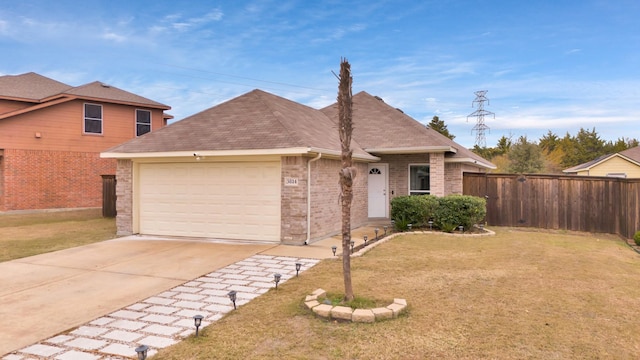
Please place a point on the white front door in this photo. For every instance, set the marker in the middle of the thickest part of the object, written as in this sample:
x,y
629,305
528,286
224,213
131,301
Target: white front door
x,y
378,197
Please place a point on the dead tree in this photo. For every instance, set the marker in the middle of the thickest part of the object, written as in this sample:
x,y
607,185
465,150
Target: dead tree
x,y
347,172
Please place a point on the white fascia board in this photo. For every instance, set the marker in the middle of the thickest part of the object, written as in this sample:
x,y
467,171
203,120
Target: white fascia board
x,y
338,154
207,153
226,153
469,161
413,150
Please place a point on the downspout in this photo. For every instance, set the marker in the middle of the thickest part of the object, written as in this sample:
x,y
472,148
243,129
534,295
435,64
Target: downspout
x,y
306,242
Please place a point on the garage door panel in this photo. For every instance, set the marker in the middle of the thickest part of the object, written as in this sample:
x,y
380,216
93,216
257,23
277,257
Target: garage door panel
x,y
220,200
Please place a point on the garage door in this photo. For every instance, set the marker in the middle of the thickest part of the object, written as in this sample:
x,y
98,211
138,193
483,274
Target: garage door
x,y
213,200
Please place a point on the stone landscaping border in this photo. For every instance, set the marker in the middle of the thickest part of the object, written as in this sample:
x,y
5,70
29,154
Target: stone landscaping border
x,y
345,313
364,249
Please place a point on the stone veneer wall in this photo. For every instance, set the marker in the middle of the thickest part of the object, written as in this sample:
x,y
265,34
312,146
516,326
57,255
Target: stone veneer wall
x,y
124,195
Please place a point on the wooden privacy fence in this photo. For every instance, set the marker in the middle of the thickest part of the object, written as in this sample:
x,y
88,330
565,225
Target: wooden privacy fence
x,y
108,195
581,203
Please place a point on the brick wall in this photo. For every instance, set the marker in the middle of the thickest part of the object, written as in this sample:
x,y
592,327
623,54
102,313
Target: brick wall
x,y
124,195
40,179
326,210
437,174
453,178
399,172
293,201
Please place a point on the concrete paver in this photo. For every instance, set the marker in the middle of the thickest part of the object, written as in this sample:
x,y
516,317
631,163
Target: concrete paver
x,y
117,334
160,287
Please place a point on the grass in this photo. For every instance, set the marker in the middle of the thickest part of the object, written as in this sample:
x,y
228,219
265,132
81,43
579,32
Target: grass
x,y
516,295
23,235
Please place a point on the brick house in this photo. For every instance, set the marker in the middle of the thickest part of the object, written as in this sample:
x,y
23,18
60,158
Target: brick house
x,y
51,136
264,168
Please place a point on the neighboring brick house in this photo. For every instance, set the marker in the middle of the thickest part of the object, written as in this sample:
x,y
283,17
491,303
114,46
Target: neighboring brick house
x,y
625,164
51,136
260,167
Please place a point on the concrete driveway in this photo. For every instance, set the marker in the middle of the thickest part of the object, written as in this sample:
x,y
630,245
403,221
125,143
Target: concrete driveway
x,y
47,294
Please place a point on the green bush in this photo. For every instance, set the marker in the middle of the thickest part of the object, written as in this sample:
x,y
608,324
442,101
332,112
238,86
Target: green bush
x,y
455,210
415,210
636,237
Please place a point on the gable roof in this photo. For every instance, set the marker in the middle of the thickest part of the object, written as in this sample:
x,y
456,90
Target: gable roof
x,y
254,122
30,87
632,155
383,129
41,90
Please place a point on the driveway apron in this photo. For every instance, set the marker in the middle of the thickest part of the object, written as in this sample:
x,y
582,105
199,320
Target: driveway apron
x,y
48,294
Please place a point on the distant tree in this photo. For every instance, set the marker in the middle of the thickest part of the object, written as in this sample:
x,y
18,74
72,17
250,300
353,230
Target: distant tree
x,y
525,157
549,142
585,146
439,126
504,145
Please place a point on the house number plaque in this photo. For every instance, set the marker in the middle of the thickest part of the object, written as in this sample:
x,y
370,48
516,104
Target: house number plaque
x,y
290,181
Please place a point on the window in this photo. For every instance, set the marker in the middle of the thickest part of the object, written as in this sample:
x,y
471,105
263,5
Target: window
x,y
92,119
143,122
419,179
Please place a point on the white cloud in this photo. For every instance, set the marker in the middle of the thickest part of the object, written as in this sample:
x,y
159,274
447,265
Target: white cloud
x,y
113,36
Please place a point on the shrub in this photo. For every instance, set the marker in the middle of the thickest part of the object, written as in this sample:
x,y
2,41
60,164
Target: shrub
x,y
636,237
415,210
455,210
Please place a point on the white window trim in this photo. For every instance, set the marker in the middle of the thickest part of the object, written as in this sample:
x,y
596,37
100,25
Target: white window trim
x,y
135,130
409,191
85,118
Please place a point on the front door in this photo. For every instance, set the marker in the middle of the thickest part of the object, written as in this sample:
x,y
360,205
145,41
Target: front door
x,y
378,197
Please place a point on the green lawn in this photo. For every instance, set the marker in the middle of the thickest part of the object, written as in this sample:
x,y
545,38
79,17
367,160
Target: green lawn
x,y
23,235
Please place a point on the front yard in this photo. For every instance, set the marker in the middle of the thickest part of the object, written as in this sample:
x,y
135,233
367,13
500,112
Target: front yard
x,y
517,295
23,235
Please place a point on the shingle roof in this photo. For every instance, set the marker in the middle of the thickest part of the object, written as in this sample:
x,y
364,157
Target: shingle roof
x,y
101,91
30,87
36,88
379,127
632,154
253,121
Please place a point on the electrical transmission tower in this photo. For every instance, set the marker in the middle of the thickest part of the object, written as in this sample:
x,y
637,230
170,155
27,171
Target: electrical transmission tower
x,y
480,127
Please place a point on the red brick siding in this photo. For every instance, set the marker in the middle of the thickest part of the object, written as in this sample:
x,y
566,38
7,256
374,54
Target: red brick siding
x,y
41,179
399,171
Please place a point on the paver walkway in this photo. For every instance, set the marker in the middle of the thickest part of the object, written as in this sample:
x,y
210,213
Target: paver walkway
x,y
163,320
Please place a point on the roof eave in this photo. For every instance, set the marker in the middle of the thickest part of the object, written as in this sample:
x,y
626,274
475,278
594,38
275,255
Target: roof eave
x,y
227,153
412,150
470,161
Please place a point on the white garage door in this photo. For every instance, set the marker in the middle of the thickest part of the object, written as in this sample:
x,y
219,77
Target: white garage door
x,y
214,200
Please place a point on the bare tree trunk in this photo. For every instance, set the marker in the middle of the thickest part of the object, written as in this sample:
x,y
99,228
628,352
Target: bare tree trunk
x,y
347,173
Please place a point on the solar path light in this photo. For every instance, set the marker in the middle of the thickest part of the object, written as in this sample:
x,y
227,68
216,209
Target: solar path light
x,y
334,249
376,230
197,319
232,296
142,352
298,266
365,239
276,279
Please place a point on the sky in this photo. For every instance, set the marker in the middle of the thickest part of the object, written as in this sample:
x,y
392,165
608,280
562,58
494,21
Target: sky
x,y
547,65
